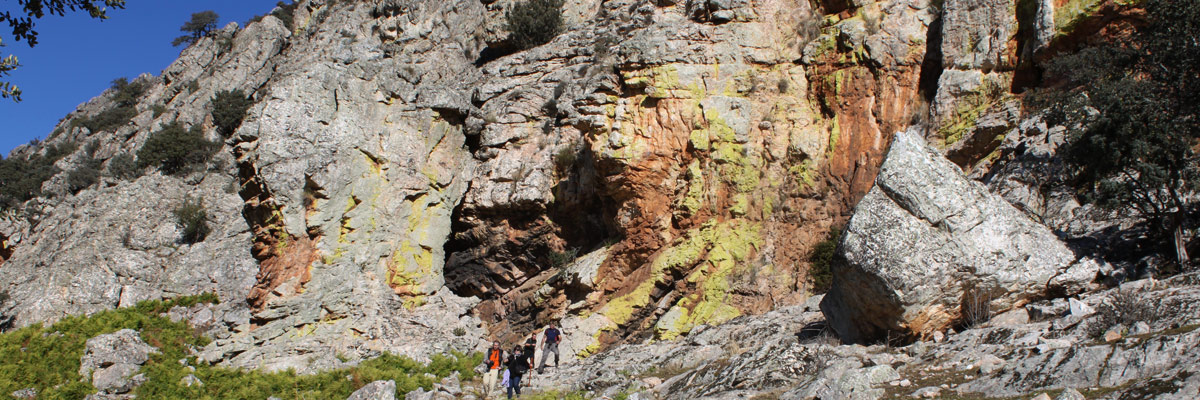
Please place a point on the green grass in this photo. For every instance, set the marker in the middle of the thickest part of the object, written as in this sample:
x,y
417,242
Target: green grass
x,y
557,395
47,358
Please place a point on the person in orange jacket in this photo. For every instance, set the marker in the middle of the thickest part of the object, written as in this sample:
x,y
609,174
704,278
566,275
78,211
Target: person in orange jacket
x,y
493,359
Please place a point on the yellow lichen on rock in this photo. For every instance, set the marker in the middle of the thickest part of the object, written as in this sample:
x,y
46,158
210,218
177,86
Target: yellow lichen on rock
x,y
731,244
411,263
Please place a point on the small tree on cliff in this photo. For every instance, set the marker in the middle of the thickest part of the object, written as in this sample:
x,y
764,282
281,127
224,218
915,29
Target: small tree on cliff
x,y
202,24
533,23
192,219
229,108
1136,146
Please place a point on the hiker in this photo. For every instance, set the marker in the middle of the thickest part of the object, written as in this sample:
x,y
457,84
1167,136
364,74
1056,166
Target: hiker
x,y
518,363
552,337
531,346
495,358
530,350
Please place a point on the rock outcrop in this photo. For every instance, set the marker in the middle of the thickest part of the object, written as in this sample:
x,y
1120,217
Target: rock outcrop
x,y
786,354
407,181
928,247
404,172
111,362
378,390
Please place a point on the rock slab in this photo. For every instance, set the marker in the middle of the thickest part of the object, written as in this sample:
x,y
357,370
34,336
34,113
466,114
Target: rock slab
x,y
111,361
927,248
378,390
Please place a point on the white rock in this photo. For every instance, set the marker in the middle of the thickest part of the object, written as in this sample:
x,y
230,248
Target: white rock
x,y
1070,394
1080,309
990,363
927,392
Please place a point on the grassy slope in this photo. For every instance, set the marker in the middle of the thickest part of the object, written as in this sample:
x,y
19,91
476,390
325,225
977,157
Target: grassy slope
x,y
47,358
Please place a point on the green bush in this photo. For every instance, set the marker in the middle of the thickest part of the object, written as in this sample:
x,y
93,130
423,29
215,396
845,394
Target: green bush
x,y
565,159
21,179
561,259
229,108
124,166
125,98
533,23
109,120
1132,110
127,93
84,175
821,256
283,11
173,149
192,218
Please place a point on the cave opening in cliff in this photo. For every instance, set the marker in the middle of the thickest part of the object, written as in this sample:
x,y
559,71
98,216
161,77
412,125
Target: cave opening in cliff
x,y
1028,74
931,66
512,257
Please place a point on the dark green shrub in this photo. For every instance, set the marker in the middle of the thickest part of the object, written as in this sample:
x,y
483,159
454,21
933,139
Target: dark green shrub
x,y
565,158
91,148
124,166
561,259
21,179
110,119
229,108
283,11
192,218
125,98
127,93
533,23
821,256
84,175
159,109
1132,140
173,149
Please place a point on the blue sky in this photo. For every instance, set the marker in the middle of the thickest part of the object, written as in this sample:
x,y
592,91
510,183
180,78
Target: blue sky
x,y
77,57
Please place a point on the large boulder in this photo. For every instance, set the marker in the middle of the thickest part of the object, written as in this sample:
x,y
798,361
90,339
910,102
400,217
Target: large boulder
x,y
378,390
112,361
927,247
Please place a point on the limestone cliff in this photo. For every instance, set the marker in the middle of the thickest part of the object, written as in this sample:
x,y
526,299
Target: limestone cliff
x,y
404,173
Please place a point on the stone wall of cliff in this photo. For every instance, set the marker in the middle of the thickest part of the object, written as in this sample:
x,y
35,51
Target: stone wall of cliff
x,y
404,172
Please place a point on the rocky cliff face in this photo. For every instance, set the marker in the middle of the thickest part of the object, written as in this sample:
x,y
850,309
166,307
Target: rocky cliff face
x,y
406,181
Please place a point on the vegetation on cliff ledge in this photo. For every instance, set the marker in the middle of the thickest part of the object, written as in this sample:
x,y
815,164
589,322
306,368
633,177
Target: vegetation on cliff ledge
x,y
533,23
1138,103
